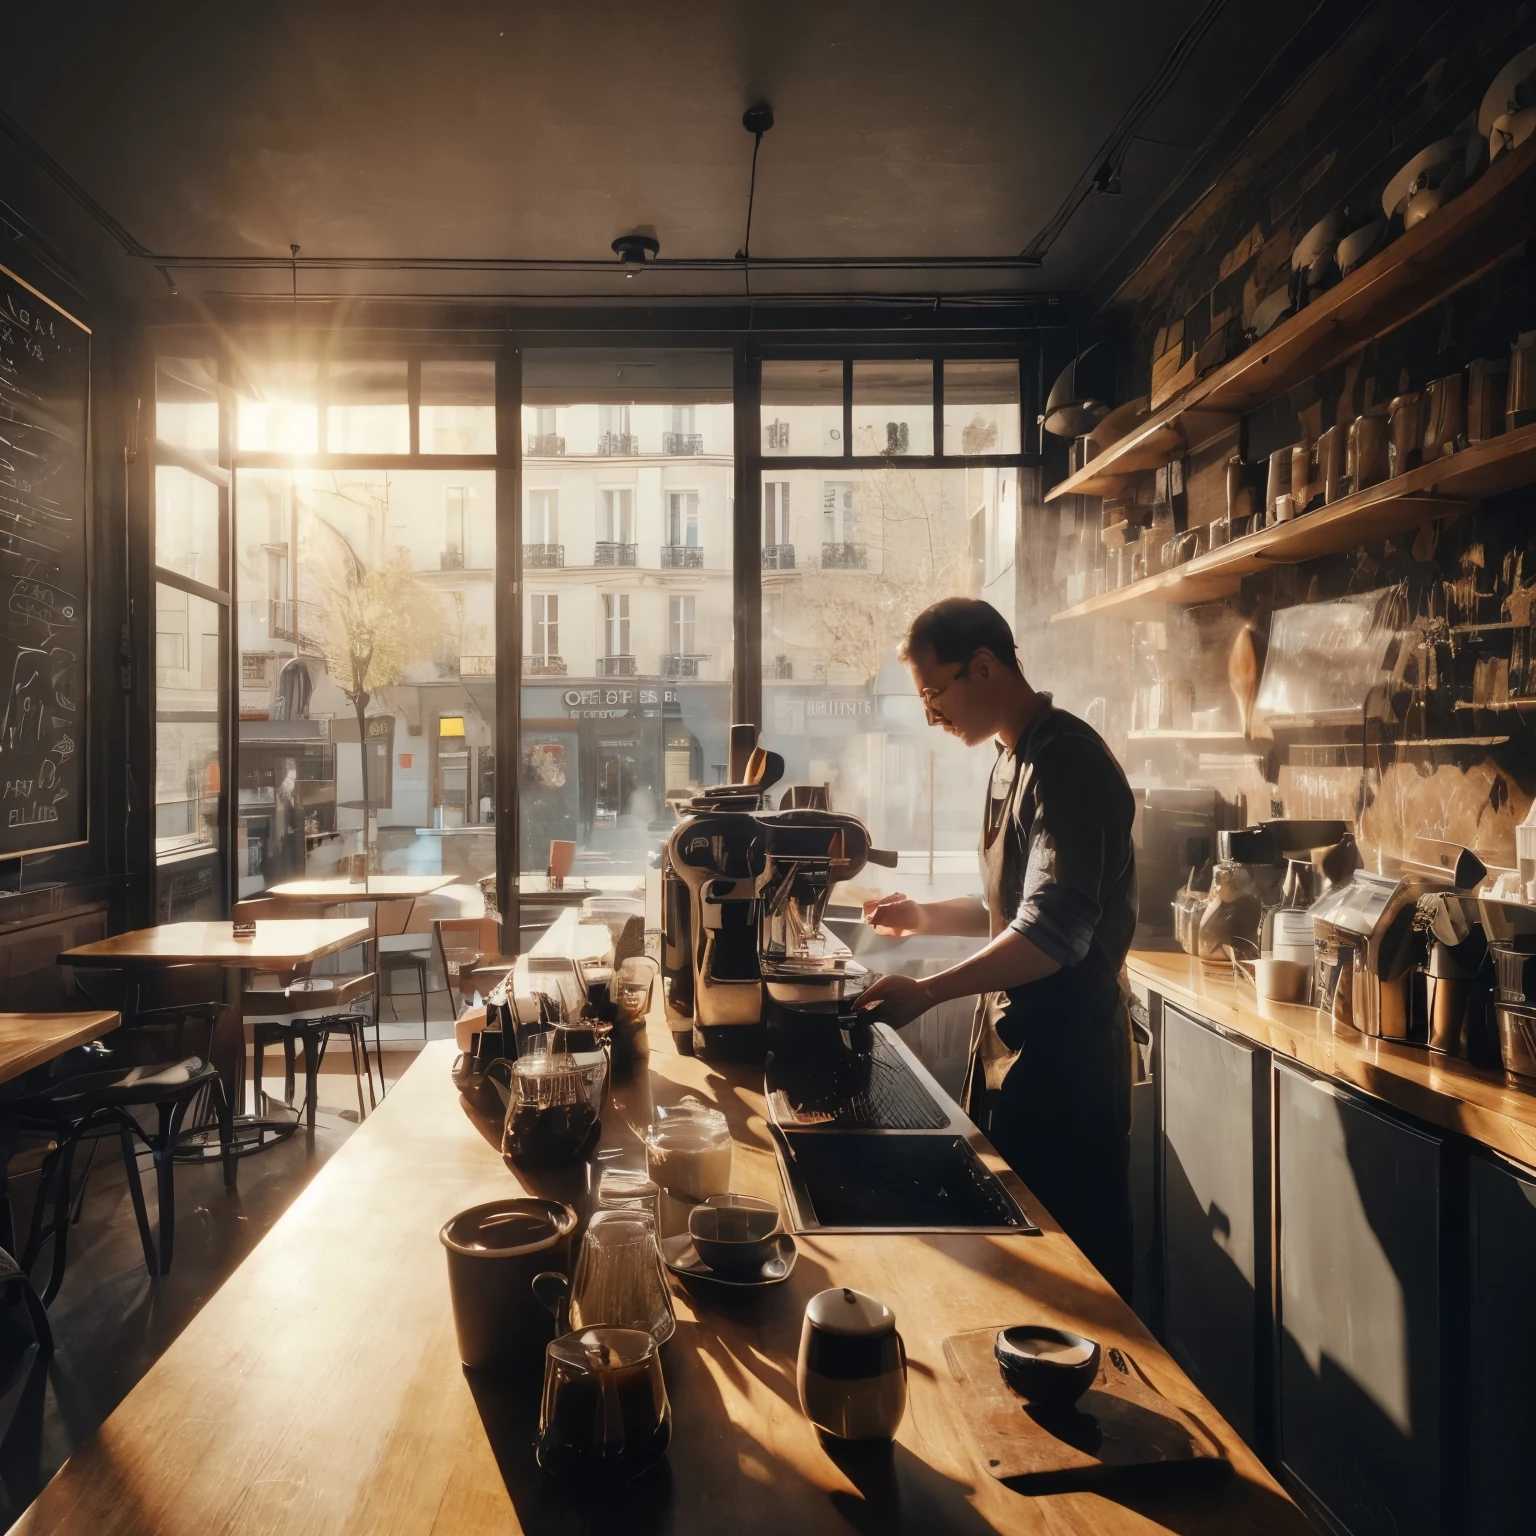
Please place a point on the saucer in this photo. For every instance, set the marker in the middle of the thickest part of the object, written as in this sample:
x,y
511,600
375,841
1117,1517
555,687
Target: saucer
x,y
682,1258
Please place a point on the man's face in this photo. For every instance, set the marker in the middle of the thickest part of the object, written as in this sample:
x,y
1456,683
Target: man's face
x,y
957,698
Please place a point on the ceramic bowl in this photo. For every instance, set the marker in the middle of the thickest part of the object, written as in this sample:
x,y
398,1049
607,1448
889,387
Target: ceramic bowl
x,y
1048,1366
734,1233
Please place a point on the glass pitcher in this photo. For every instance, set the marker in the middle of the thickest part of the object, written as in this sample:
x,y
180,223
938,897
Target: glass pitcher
x,y
604,1416
554,1108
618,1282
688,1151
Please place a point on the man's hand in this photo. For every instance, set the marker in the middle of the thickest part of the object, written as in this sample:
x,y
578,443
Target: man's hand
x,y
894,1000
895,916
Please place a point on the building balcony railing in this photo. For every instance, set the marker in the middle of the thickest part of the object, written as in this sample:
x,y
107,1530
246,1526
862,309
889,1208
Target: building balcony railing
x,y
616,666
843,557
544,557
682,443
477,666
545,445
611,443
682,557
297,621
778,557
681,663
609,553
451,560
780,670
544,666
776,436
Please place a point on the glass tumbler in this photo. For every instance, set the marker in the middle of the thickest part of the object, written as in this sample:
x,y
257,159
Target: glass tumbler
x,y
618,1280
604,1416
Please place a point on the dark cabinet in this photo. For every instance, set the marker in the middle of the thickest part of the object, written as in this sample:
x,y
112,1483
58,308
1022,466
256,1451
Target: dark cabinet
x,y
1361,1247
1215,1197
1502,1355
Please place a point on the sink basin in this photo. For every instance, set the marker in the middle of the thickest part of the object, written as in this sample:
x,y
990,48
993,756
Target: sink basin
x,y
892,1181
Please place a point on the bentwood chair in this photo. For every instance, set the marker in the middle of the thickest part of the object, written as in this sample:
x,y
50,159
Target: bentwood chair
x,y
307,1010
162,1060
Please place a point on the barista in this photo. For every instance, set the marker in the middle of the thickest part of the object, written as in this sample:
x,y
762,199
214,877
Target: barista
x,y
1049,1080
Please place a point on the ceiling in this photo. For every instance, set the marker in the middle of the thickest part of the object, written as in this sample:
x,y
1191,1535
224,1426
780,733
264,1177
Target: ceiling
x,y
422,149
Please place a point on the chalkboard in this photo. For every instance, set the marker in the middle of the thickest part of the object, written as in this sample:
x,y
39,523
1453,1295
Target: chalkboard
x,y
45,368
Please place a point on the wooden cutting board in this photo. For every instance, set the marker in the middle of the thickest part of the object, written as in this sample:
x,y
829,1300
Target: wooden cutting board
x,y
1122,1428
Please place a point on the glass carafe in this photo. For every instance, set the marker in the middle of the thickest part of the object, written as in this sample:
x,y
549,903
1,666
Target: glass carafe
x,y
604,1416
554,1109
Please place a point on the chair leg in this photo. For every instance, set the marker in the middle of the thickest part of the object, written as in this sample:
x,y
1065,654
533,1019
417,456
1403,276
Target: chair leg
x,y
421,976
311,1038
171,1117
45,1182
61,1205
136,1191
358,1066
226,1113
288,1054
39,1316
258,1055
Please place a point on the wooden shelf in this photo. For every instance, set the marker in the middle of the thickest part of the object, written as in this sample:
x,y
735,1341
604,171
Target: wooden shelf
x,y
1448,250
1433,490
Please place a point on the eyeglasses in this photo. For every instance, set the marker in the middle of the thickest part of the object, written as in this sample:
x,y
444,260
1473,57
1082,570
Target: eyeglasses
x,y
931,696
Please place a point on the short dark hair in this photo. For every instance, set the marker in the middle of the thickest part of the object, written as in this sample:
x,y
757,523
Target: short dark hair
x,y
956,628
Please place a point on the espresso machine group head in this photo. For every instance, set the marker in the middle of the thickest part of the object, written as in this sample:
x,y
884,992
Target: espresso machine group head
x,y
744,898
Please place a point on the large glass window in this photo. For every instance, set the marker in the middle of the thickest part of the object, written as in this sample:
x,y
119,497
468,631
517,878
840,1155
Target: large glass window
x,y
892,408
368,666
981,407
458,407
627,669
802,408
191,490
867,551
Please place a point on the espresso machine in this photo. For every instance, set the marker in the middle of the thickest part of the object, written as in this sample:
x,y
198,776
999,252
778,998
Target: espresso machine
x,y
745,946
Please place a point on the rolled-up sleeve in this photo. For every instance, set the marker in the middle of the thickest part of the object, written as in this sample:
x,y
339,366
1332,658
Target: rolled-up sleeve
x,y
1059,904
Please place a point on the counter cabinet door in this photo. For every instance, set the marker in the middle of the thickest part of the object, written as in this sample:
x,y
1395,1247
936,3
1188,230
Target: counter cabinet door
x,y
1359,1308
1216,1216
1502,1355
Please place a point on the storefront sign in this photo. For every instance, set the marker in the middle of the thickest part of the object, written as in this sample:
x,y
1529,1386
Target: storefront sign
x,y
588,698
837,709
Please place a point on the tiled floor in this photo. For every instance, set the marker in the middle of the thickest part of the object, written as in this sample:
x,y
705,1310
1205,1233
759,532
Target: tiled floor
x,y
110,1319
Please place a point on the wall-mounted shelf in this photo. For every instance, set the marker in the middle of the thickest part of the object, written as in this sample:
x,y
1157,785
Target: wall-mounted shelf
x,y
1432,490
1448,250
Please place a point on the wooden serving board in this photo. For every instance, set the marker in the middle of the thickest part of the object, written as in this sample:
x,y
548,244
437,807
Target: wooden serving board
x,y
1121,1428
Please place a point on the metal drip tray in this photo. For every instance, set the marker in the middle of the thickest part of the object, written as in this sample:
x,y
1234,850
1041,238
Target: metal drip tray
x,y
892,1181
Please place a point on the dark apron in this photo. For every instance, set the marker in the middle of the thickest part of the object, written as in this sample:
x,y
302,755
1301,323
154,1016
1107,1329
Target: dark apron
x,y
1049,1078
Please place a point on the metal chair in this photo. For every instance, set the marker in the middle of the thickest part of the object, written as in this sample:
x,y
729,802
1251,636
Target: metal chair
x,y
163,1060
306,1010
403,946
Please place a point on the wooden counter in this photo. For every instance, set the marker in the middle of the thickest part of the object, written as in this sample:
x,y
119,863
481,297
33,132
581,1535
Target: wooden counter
x,y
320,1389
1484,1105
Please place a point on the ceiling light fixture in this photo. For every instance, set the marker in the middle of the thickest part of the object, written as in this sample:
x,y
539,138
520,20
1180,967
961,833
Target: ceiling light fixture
x,y
636,251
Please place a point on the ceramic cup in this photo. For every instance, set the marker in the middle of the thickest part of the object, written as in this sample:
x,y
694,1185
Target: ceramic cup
x,y
494,1251
852,1368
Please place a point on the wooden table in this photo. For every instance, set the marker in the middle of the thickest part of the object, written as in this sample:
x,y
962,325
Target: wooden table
x,y
320,1389
336,890
1488,1106
537,889
279,944
29,1040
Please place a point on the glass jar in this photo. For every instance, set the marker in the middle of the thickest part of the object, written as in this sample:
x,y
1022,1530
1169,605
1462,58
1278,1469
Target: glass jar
x,y
688,1151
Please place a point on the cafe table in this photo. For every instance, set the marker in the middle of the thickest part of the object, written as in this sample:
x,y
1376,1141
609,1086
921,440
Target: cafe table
x,y
286,946
320,1390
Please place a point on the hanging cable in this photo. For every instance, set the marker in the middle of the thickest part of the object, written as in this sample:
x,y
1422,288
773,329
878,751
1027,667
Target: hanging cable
x,y
757,121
